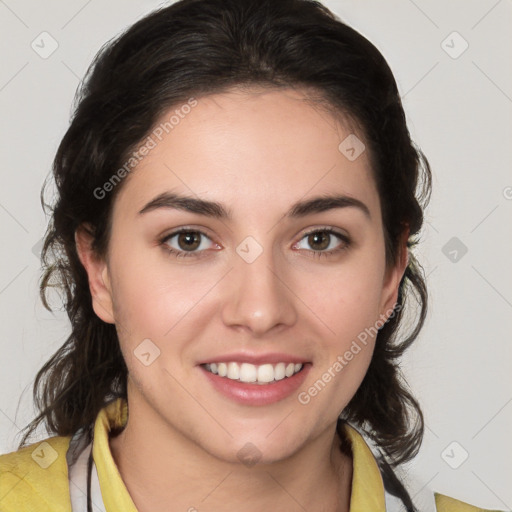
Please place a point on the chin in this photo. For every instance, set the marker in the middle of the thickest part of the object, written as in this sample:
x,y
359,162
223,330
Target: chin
x,y
259,447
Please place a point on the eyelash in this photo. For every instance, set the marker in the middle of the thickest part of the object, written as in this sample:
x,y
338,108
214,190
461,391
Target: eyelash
x,y
346,242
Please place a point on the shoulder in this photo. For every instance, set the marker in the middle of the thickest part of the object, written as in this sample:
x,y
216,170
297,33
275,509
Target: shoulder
x,y
36,477
447,504
377,477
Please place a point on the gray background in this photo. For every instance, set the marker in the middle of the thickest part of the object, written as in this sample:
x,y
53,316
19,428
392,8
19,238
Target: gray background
x,y
459,106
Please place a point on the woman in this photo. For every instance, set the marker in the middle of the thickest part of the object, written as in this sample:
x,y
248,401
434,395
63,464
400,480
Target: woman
x,y
238,195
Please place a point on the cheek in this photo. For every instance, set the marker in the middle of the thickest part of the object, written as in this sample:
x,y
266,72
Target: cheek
x,y
154,304
346,298
347,301
344,351
151,296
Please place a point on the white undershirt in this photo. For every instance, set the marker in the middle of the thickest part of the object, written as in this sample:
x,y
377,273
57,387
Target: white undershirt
x,y
77,457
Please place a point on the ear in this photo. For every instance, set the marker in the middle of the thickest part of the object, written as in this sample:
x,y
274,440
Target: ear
x,y
394,275
97,272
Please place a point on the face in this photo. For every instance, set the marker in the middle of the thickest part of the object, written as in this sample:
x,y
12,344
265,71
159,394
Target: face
x,y
259,278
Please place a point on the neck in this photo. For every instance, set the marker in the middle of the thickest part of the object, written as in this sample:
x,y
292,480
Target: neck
x,y
160,466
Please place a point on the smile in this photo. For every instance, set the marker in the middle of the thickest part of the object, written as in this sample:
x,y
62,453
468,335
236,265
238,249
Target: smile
x,y
250,373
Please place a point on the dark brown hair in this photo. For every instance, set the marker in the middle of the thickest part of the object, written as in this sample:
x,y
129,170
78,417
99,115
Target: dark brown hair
x,y
194,48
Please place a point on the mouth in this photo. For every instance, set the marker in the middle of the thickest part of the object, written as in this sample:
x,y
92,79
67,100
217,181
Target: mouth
x,y
262,374
255,384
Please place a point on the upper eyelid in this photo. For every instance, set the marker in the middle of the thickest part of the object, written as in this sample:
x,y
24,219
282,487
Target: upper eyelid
x,y
337,231
184,229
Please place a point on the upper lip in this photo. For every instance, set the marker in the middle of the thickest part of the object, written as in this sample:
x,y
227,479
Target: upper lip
x,y
256,359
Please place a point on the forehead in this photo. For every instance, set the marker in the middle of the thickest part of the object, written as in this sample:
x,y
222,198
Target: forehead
x,y
251,149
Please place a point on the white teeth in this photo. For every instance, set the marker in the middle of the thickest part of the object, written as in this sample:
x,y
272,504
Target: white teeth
x,y
246,372
222,368
233,371
279,371
265,373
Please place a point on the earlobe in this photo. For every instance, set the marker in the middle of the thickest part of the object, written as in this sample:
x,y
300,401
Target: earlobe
x,y
97,273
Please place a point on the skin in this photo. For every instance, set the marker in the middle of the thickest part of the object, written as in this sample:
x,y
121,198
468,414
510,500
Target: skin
x,y
257,152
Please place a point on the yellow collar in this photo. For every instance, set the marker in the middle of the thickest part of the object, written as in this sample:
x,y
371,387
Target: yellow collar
x,y
367,487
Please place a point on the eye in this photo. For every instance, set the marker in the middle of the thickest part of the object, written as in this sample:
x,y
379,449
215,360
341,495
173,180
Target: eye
x,y
323,242
188,242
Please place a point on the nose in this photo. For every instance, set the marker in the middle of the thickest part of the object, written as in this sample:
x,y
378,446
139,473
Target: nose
x,y
258,298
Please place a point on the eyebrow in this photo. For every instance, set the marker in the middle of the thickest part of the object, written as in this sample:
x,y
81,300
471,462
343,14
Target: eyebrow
x,y
218,211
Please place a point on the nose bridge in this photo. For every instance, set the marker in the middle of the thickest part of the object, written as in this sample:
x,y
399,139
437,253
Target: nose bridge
x,y
259,298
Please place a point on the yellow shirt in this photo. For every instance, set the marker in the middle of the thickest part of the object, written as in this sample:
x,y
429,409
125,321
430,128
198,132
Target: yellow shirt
x,y
36,478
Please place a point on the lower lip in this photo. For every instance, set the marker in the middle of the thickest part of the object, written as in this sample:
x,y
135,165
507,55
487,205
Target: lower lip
x,y
257,394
